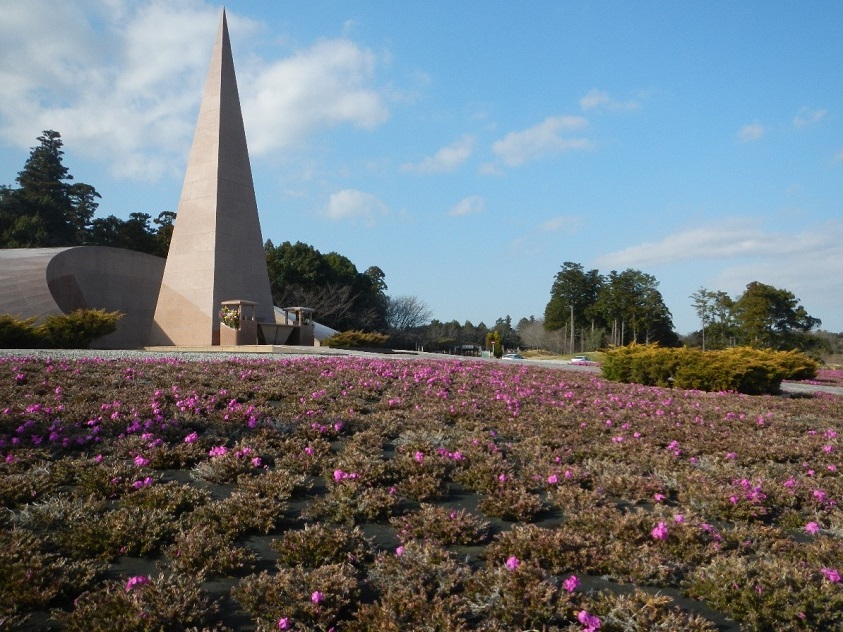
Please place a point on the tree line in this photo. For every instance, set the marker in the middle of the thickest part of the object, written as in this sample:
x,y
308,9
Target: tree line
x,y
587,310
47,210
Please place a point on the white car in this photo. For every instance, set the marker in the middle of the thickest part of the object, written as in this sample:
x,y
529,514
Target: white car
x,y
512,356
581,359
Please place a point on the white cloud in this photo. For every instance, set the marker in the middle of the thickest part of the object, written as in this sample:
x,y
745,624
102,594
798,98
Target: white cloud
x,y
808,263
807,117
540,140
561,222
323,86
751,132
725,240
122,79
354,204
446,159
597,98
117,80
468,206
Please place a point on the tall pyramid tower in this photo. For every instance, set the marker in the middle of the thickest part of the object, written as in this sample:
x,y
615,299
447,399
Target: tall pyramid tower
x,y
216,252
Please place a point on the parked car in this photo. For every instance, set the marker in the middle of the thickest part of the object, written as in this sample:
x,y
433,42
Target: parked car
x,y
581,359
512,356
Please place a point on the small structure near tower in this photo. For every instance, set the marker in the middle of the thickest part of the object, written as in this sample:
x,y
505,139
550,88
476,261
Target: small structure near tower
x,y
216,253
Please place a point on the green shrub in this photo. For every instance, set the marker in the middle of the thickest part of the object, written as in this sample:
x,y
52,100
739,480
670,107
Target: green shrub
x,y
742,369
78,329
17,333
356,338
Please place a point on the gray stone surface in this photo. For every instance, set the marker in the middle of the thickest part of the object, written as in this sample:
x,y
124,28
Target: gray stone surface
x,y
41,282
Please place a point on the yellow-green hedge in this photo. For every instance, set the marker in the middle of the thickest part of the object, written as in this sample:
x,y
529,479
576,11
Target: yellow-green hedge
x,y
76,330
356,338
742,369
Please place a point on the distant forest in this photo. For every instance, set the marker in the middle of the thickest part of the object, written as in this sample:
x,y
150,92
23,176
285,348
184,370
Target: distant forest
x,y
587,310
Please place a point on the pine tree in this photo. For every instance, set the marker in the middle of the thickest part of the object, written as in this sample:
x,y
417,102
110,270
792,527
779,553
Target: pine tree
x,y
45,210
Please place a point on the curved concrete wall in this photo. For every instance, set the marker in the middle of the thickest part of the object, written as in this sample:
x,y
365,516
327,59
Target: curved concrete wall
x,y
43,281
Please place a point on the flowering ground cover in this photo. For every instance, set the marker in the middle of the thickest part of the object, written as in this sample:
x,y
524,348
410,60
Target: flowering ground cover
x,y
368,494
828,377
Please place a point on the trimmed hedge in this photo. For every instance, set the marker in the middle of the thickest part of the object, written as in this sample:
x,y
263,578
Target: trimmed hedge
x,y
356,338
742,369
18,333
76,330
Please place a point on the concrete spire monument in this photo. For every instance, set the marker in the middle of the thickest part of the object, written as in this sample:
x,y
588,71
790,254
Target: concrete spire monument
x,y
216,253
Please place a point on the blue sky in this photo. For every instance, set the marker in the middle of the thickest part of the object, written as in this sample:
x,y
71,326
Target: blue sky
x,y
470,148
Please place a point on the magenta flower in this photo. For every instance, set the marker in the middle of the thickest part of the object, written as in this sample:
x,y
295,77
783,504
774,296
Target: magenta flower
x,y
419,457
220,450
140,461
134,582
679,518
590,622
552,479
659,532
831,575
191,438
339,475
512,563
399,551
284,623
317,597
571,584
812,528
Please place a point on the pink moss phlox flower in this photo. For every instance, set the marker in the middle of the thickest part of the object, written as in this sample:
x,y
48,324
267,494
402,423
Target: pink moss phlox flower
x,y
256,462
140,461
812,528
589,621
678,518
659,532
317,597
339,475
308,451
191,438
571,584
552,479
502,478
419,457
399,551
134,582
219,450
659,497
284,623
143,483
512,563
831,575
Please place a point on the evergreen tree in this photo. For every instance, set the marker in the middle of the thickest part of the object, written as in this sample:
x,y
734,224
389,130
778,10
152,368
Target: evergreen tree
x,y
45,210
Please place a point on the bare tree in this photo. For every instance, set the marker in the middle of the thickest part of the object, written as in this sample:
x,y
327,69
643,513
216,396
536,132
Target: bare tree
x,y
406,312
533,334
